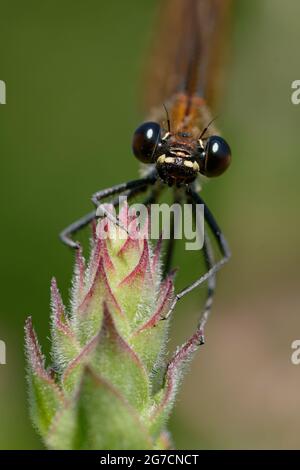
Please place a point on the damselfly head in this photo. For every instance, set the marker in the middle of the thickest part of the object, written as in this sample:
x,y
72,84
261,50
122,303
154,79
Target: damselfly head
x,y
179,157
172,154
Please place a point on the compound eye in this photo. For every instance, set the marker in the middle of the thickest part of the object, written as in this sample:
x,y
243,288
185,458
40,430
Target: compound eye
x,y
217,156
145,141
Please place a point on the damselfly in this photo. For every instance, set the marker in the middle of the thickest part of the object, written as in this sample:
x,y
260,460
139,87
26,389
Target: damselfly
x,y
179,142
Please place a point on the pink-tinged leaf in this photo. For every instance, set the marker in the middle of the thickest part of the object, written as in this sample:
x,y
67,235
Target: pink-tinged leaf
x,y
157,254
149,339
79,275
139,228
99,417
103,287
133,292
35,357
72,374
105,352
173,376
134,240
64,343
182,356
78,281
107,261
99,253
94,261
45,396
100,249
58,310
112,350
94,229
109,332
128,246
100,290
124,213
164,300
138,273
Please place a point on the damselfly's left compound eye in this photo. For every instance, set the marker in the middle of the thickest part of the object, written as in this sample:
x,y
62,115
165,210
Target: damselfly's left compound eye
x,y
146,140
217,156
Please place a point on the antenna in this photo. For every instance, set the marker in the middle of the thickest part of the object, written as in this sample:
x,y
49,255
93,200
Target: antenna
x,y
206,128
168,118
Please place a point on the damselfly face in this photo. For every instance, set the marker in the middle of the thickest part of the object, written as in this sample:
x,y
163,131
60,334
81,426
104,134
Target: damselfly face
x,y
179,157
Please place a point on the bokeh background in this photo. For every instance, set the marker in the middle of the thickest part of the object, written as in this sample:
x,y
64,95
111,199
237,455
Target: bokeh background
x,y
73,71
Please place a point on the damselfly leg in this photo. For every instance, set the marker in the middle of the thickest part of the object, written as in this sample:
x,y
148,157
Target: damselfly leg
x,y
130,189
222,244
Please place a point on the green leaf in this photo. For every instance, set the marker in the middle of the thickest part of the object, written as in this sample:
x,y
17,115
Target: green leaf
x,y
44,395
131,290
90,313
64,344
71,378
165,398
100,418
118,364
149,340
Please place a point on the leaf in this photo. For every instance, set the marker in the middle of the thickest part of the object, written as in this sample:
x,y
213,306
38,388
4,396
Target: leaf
x,y
149,340
166,397
90,312
119,365
44,395
72,375
64,343
132,288
99,419
78,281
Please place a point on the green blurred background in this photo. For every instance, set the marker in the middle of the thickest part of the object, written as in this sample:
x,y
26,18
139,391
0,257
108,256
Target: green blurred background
x,y
72,71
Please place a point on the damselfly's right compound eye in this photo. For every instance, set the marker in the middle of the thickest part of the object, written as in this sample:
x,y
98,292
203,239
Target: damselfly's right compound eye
x,y
217,156
146,140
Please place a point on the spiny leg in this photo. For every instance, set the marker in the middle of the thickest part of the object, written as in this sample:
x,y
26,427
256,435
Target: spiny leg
x,y
132,189
170,249
208,255
197,338
152,197
211,283
79,224
118,189
222,243
171,242
216,231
